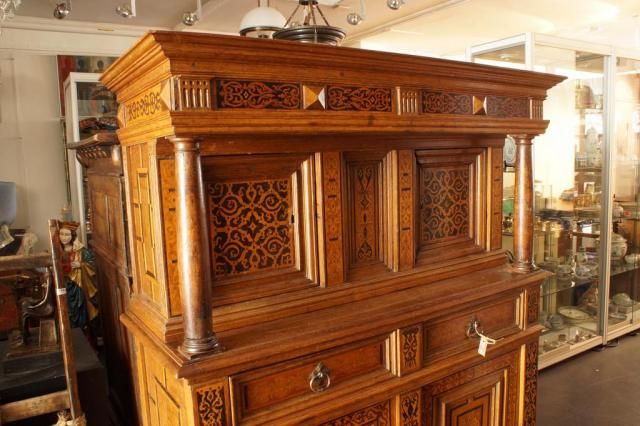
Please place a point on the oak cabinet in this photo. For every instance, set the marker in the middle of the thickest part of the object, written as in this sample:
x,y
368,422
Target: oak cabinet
x,y
324,246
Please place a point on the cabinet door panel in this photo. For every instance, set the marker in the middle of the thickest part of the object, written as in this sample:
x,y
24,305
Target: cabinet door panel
x,y
484,395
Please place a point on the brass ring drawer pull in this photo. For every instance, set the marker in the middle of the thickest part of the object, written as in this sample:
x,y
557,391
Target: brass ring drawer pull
x,y
319,379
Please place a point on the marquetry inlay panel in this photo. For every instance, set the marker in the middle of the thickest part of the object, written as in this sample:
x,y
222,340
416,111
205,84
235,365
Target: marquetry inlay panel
x,y
406,204
147,105
251,226
531,384
357,98
364,210
410,349
444,196
210,402
410,409
434,102
331,165
496,197
257,94
169,224
376,415
192,93
503,106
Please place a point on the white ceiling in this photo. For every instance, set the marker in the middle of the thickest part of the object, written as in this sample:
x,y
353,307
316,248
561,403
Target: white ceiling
x,y
432,27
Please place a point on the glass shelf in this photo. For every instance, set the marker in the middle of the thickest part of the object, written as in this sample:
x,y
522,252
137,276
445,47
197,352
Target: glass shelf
x,y
553,285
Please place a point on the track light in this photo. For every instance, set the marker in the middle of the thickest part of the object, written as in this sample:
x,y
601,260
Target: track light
x,y
190,18
62,9
127,10
355,18
395,4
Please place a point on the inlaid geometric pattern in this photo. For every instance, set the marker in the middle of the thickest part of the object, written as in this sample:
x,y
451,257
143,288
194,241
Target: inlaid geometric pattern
x,y
345,98
406,160
257,94
314,97
502,106
210,402
377,415
251,226
364,188
446,103
444,196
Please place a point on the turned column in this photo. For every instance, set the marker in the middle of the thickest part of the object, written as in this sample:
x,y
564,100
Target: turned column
x,y
523,206
193,251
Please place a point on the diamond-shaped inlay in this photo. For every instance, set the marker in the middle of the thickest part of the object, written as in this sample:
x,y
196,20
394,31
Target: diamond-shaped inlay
x,y
314,97
479,105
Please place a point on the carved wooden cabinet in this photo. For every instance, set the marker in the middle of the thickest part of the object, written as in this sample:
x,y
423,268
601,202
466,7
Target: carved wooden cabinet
x,y
316,234
101,158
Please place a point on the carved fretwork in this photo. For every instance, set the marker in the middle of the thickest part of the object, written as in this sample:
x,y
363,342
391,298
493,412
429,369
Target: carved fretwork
x,y
531,384
354,98
444,196
211,406
257,94
192,93
376,415
364,181
503,106
533,302
410,409
434,102
251,226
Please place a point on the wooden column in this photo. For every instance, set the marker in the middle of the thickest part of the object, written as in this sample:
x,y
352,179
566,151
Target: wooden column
x,y
523,206
193,251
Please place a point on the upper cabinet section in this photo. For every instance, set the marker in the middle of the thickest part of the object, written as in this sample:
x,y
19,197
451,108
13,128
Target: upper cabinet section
x,y
212,88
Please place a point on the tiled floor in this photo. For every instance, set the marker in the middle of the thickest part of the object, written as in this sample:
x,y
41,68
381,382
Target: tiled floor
x,y
593,389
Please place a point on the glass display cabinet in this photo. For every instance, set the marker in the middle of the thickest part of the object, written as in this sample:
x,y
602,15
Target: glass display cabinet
x,y
90,108
587,206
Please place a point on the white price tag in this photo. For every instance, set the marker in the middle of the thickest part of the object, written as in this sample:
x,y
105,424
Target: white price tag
x,y
482,347
61,291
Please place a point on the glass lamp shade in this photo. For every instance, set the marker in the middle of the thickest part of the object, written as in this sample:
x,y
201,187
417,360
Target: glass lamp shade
x,y
261,22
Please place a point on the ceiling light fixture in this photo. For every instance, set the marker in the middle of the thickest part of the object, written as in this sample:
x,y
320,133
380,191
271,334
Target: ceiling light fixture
x,y
355,18
127,10
308,29
262,21
62,9
190,18
395,4
8,8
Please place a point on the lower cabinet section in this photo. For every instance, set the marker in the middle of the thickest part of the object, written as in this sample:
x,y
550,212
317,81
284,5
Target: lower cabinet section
x,y
497,391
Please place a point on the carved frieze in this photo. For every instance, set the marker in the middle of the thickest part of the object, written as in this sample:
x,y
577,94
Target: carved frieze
x,y
251,226
356,98
504,106
257,94
434,102
438,102
376,415
147,105
211,406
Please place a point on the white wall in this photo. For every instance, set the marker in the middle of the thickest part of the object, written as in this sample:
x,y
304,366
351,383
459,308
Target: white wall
x,y
31,144
33,158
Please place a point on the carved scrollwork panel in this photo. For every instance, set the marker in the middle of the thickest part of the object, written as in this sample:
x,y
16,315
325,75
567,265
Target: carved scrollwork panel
x,y
503,106
257,94
354,98
434,102
444,196
364,189
251,226
410,409
533,302
410,349
531,384
211,406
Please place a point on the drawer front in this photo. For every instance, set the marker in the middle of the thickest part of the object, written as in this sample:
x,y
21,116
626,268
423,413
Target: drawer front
x,y
267,388
448,335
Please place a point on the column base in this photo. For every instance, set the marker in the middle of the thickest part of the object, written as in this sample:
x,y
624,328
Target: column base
x,y
523,267
192,348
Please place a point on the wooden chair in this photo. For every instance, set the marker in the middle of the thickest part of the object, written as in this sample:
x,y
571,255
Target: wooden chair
x,y
67,399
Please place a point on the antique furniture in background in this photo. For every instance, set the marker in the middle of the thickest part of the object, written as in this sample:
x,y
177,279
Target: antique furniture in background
x,y
102,165
316,234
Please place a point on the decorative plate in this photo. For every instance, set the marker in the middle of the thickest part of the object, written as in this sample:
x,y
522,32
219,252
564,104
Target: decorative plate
x,y
573,314
509,151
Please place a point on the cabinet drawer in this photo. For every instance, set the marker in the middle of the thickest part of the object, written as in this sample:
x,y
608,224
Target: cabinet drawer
x,y
447,335
270,387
